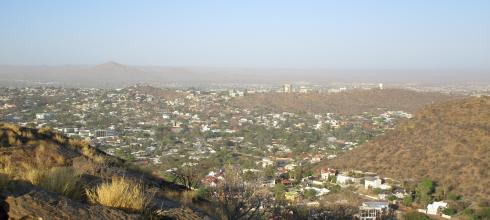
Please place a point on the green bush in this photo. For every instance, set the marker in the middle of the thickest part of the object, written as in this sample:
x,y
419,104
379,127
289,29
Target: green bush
x,y
449,211
309,193
202,193
452,196
391,198
407,201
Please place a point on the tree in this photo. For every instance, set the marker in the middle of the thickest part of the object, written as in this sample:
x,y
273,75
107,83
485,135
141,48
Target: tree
x,y
249,176
269,171
391,198
423,191
298,173
332,179
449,211
188,176
279,191
377,191
236,199
407,200
309,193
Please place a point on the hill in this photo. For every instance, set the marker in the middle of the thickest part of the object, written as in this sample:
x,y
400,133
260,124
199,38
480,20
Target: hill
x,y
349,102
45,175
447,142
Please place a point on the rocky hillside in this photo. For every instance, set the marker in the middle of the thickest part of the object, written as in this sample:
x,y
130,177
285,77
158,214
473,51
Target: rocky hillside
x,y
348,102
449,142
45,175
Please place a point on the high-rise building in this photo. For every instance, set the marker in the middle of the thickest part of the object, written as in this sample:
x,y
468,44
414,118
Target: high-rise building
x,y
287,88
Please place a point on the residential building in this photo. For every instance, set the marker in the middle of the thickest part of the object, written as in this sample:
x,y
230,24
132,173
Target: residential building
x,y
374,210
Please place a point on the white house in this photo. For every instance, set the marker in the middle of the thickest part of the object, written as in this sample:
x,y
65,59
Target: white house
x,y
373,210
433,208
267,162
373,182
290,166
344,179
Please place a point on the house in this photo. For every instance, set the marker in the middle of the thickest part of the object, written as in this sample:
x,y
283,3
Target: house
x,y
400,193
44,116
373,182
374,210
266,162
269,182
433,208
344,179
290,167
326,172
315,159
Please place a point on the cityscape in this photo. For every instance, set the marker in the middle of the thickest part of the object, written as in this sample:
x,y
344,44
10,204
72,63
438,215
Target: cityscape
x,y
245,110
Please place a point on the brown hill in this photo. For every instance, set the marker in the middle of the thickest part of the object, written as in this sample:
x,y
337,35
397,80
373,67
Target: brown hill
x,y
349,102
45,175
448,142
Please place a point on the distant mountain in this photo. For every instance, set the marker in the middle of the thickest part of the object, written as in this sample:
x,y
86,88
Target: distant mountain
x,y
112,66
448,142
109,74
349,102
113,74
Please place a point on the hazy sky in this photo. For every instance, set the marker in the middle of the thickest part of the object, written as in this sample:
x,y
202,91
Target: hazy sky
x,y
415,34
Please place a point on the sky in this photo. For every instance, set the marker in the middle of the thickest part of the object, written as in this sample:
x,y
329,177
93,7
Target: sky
x,y
323,34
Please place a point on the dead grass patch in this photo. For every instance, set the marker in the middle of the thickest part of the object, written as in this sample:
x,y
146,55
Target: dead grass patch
x,y
120,193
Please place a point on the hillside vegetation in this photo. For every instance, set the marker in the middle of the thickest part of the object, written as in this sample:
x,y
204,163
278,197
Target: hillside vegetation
x,y
448,142
349,102
45,175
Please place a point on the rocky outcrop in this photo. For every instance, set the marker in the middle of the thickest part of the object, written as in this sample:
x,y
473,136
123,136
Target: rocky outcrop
x,y
39,204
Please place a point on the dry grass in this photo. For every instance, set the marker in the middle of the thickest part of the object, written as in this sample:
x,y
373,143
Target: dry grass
x,y
189,196
62,180
86,150
6,167
6,171
120,193
446,142
350,102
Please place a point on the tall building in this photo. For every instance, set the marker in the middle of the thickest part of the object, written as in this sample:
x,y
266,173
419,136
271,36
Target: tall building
x,y
381,86
287,88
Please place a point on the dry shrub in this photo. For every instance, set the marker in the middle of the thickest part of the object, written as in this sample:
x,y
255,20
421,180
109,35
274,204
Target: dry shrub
x,y
27,134
6,171
45,130
59,138
12,127
4,180
87,151
172,194
120,193
62,180
46,153
189,196
6,166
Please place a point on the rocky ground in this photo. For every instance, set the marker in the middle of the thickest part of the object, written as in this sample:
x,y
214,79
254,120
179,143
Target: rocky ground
x,y
24,150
